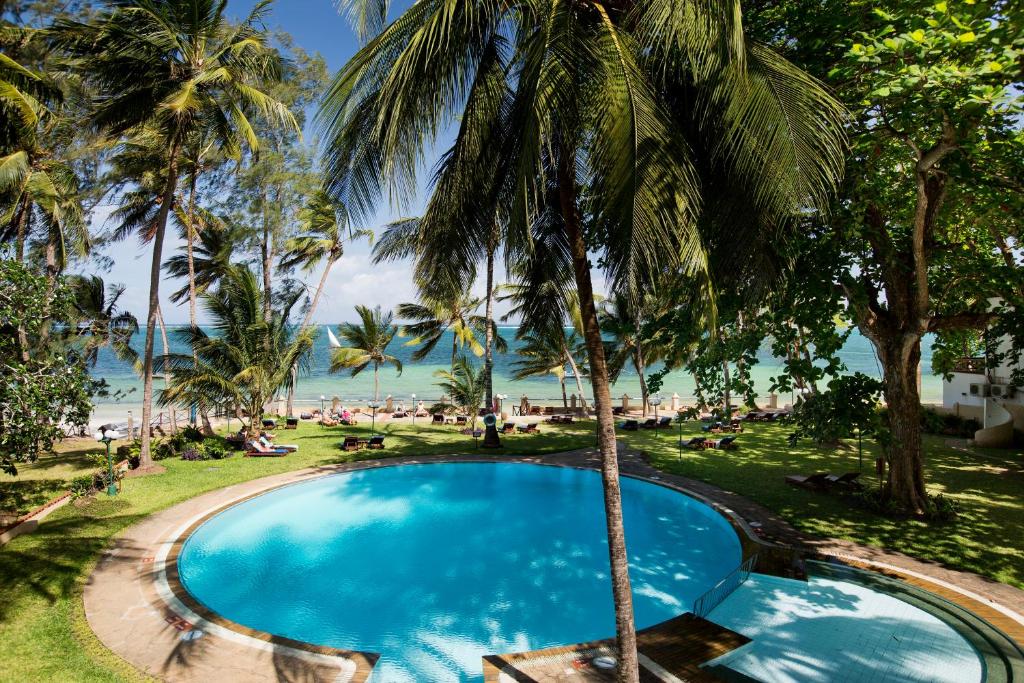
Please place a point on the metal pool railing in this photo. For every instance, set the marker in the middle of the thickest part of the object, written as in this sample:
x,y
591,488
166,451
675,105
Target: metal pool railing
x,y
714,596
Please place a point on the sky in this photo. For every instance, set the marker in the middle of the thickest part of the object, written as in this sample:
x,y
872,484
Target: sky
x,y
316,26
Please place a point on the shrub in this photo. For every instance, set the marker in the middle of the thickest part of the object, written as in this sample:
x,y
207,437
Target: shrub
x,y
163,450
194,453
214,449
81,486
192,434
947,424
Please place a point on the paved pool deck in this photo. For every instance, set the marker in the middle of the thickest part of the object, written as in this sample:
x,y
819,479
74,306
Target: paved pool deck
x,y
135,609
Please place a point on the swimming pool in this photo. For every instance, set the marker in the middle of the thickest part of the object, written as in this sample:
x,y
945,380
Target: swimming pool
x,y
434,566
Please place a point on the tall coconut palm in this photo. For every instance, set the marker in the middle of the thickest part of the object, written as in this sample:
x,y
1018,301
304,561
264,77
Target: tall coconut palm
x,y
100,322
368,343
623,106
231,366
170,69
549,352
211,256
324,231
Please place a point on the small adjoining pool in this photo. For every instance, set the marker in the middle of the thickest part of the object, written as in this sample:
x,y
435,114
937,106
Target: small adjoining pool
x,y
434,566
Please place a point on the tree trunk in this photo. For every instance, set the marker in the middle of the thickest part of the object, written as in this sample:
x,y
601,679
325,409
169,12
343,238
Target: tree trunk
x,y
190,234
565,396
376,383
305,323
625,628
21,224
576,374
51,287
489,332
726,379
905,482
167,370
145,457
638,363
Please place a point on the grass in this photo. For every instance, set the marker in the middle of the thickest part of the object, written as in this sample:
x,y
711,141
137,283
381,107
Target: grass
x,y
43,480
40,605
987,538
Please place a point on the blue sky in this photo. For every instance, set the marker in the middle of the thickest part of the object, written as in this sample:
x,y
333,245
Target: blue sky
x,y
317,27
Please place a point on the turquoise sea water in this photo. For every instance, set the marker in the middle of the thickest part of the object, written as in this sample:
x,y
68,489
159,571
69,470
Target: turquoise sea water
x,y
434,566
418,377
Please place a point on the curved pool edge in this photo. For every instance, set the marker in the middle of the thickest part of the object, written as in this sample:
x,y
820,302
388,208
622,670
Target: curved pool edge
x,y
128,598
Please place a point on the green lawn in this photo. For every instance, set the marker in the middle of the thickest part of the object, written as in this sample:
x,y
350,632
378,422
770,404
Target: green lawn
x,y
46,638
42,625
987,539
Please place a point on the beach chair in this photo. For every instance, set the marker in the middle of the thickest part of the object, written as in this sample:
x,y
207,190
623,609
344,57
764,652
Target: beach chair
x,y
266,443
817,482
351,443
530,428
291,423
725,443
847,481
665,422
306,416
617,410
629,425
269,424
461,420
649,423
254,449
695,444
508,428
438,419
376,441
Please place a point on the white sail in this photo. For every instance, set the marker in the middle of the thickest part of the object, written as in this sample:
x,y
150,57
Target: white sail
x,y
333,340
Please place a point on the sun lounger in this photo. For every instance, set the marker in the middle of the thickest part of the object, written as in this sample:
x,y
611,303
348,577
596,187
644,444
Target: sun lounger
x,y
266,443
351,443
376,441
649,423
817,481
530,428
438,419
508,428
306,416
270,424
291,423
696,443
665,422
629,425
848,481
257,450
461,420
725,443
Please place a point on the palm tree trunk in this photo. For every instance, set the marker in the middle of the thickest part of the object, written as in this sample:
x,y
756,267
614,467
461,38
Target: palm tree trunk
x,y
638,363
376,383
305,323
726,380
489,332
167,369
145,457
265,261
576,374
565,397
625,628
190,234
51,287
21,223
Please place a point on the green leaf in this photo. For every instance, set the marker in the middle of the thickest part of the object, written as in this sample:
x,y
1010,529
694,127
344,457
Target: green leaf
x,y
968,37
995,66
941,7
917,36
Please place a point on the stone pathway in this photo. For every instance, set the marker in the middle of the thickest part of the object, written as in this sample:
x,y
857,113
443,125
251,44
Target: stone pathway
x,y
131,609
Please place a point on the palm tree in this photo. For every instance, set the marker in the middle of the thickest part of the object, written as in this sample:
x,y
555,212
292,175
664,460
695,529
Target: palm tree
x,y
548,352
367,345
211,256
324,231
100,323
435,315
170,69
618,111
465,385
622,324
232,366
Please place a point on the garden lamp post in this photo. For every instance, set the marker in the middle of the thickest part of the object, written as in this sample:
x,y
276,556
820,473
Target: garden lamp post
x,y
105,436
655,401
680,436
414,410
322,399
373,420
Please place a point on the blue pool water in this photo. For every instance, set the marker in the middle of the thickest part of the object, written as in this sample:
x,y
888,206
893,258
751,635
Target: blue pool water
x,y
434,566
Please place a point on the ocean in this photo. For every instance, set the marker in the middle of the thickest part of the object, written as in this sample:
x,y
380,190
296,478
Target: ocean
x,y
418,377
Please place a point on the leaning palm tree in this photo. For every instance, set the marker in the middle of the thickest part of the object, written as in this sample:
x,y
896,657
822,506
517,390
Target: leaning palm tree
x,y
621,322
170,69
100,323
610,114
245,360
465,385
367,345
324,230
549,352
